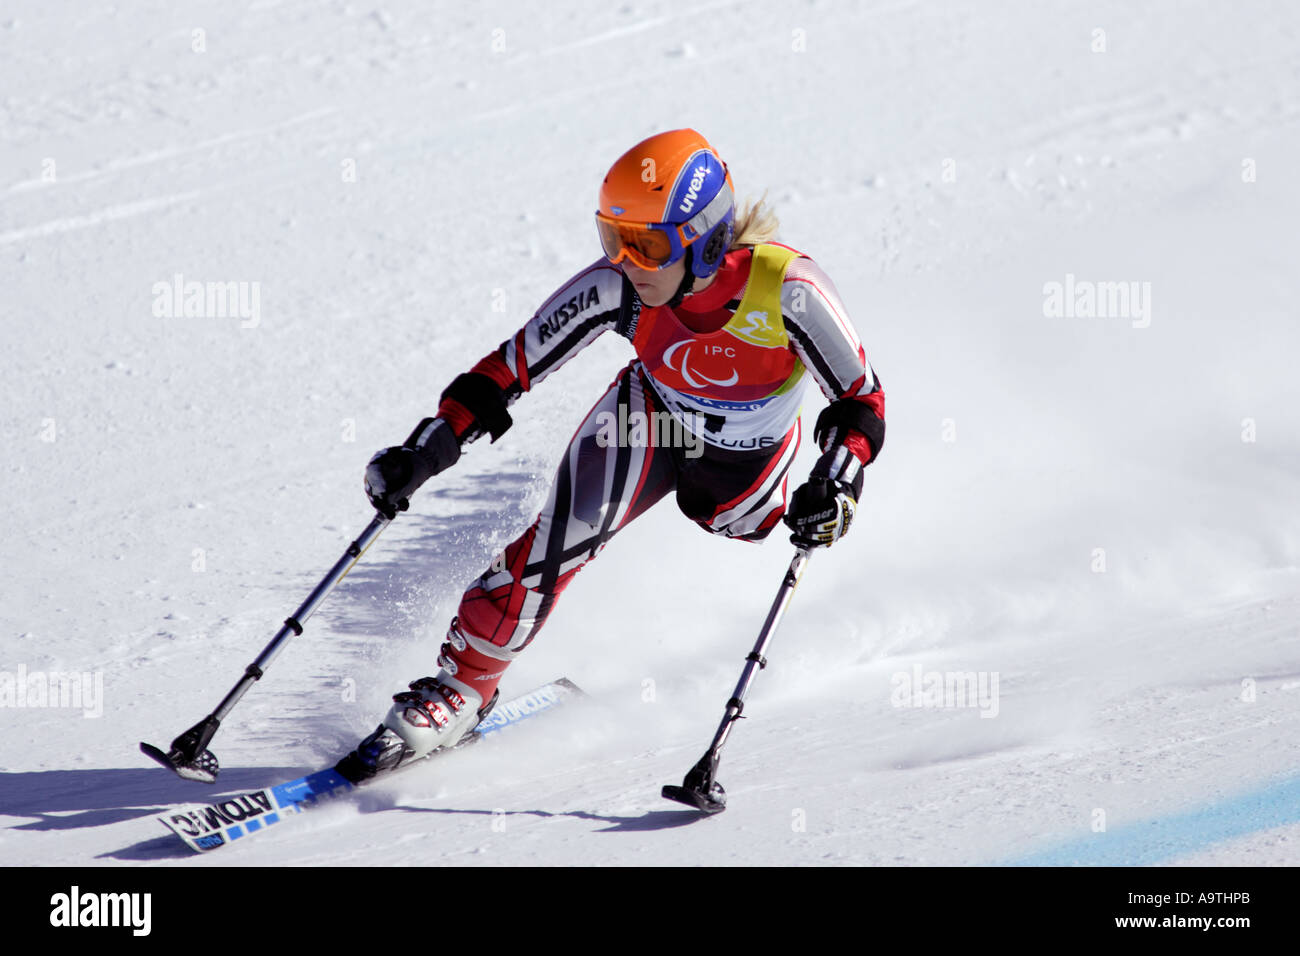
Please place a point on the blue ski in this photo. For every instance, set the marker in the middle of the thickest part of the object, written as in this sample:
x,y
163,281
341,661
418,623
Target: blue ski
x,y
208,826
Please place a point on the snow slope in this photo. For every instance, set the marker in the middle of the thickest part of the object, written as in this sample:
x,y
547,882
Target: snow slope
x,y
1096,511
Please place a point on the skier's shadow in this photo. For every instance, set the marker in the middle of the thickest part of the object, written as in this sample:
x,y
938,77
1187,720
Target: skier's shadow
x,y
84,799
653,820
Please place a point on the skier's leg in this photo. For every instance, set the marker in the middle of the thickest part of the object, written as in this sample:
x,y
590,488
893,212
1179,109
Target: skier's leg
x,y
601,484
737,494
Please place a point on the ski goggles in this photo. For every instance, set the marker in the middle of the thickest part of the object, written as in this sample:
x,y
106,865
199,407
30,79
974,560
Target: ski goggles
x,y
657,245
648,245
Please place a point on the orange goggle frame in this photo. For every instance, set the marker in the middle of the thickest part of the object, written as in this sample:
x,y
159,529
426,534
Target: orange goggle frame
x,y
650,245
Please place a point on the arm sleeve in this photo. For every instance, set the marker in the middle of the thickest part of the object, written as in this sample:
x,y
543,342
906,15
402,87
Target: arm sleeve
x,y
597,298
825,341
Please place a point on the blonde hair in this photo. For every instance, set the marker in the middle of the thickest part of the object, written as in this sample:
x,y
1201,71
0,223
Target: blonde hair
x,y
756,223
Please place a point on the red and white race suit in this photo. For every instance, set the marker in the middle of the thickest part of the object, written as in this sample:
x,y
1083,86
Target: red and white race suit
x,y
715,391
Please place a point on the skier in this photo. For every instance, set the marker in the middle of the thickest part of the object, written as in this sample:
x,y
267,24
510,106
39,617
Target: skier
x,y
724,323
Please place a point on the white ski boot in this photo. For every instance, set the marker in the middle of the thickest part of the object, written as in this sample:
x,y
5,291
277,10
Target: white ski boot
x,y
436,713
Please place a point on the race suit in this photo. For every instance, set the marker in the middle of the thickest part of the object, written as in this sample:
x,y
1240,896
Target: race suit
x,y
708,410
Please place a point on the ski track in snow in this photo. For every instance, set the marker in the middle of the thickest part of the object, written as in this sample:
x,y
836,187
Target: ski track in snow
x,y
178,485
109,214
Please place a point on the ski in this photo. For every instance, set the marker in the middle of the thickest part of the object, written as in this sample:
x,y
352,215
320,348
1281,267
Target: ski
x,y
208,826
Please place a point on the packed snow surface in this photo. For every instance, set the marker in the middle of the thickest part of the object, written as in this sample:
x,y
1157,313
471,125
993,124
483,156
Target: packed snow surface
x,y
1063,627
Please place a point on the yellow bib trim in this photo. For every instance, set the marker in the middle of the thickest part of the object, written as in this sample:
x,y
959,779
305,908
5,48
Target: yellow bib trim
x,y
757,319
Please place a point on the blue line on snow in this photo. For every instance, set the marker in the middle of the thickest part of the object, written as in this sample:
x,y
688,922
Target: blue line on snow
x,y
1154,841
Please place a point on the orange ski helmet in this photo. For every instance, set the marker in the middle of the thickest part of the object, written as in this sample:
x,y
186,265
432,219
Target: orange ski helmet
x,y
664,196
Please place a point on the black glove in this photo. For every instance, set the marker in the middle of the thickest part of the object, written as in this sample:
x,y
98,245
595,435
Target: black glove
x,y
820,512
395,473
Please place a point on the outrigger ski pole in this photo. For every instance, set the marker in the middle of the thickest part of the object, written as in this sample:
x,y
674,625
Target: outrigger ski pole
x,y
700,789
189,756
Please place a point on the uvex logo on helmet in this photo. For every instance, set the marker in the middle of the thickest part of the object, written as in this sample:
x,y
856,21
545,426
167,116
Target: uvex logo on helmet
x,y
692,194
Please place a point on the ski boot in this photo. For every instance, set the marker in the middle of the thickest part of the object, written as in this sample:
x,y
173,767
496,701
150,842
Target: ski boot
x,y
435,714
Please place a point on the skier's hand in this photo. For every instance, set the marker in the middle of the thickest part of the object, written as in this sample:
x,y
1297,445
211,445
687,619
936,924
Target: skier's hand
x,y
820,512
394,474
390,480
